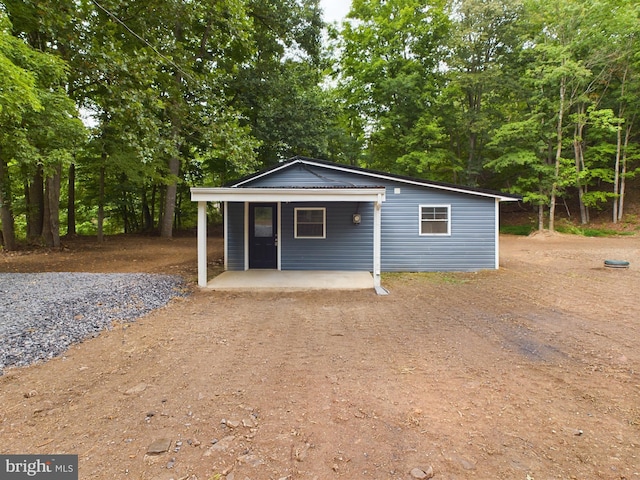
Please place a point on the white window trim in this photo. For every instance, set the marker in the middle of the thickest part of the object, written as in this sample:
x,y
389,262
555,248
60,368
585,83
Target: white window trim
x,y
420,207
324,222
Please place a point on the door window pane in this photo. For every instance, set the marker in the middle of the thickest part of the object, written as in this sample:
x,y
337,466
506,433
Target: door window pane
x,y
263,222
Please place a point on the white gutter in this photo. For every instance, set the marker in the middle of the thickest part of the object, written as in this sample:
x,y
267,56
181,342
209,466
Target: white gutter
x,y
253,194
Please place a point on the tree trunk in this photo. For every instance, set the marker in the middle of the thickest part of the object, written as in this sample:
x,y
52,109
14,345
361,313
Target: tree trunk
x,y
101,200
171,195
541,217
6,213
616,171
623,173
147,218
474,101
71,202
47,236
471,173
53,200
578,155
166,226
35,206
154,191
161,193
554,186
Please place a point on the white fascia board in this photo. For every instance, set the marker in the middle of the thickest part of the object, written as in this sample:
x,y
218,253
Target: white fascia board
x,y
231,194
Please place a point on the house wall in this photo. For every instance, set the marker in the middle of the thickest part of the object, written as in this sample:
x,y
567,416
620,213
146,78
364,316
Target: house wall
x,y
346,246
471,245
235,236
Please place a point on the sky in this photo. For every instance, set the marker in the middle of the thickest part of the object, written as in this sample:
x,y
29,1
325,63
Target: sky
x,y
335,10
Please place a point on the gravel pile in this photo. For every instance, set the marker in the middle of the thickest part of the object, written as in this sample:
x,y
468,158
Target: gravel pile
x,y
42,314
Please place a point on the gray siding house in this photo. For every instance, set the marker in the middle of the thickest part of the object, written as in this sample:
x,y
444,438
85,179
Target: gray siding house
x,y
308,214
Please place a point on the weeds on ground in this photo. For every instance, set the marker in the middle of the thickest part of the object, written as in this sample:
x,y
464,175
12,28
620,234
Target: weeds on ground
x,y
517,229
434,278
592,231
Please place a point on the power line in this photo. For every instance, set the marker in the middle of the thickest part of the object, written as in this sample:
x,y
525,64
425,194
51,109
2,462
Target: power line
x,y
143,40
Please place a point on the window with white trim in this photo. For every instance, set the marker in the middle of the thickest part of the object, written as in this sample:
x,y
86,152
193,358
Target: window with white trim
x,y
310,222
435,219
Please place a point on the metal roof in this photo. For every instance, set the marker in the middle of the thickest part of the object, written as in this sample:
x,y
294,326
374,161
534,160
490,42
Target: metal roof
x,y
370,173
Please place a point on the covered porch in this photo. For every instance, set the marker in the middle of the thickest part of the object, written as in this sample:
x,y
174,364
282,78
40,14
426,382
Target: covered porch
x,y
272,277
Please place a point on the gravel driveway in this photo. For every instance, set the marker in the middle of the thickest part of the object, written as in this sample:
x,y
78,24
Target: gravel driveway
x,y
42,314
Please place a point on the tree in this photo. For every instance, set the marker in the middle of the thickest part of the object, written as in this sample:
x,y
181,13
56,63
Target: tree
x,y
52,134
278,91
17,95
558,83
159,98
482,70
581,45
623,37
38,122
388,75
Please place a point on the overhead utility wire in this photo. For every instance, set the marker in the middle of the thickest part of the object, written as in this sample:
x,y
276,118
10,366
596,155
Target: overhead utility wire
x,y
113,15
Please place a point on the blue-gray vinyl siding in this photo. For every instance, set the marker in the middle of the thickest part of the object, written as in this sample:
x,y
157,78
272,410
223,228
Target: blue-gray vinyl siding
x,y
471,245
307,176
346,246
235,236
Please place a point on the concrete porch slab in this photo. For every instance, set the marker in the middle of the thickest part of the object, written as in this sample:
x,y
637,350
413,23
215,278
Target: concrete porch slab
x,y
291,280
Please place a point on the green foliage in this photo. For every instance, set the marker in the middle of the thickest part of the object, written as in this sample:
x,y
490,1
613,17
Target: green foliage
x,y
482,73
277,92
537,98
39,127
517,229
177,94
386,76
571,229
18,92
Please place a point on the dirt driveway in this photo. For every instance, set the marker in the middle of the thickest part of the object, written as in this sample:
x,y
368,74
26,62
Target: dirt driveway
x,y
529,372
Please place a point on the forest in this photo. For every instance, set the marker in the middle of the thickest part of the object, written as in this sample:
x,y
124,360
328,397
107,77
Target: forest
x,y
110,110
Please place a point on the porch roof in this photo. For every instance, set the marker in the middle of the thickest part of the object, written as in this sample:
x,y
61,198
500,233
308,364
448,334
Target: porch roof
x,y
288,194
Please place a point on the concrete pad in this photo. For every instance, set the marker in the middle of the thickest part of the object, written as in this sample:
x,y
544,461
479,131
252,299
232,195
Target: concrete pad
x,y
291,280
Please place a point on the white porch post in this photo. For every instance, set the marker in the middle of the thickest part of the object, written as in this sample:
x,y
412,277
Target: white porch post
x,y
202,244
225,236
497,235
377,222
